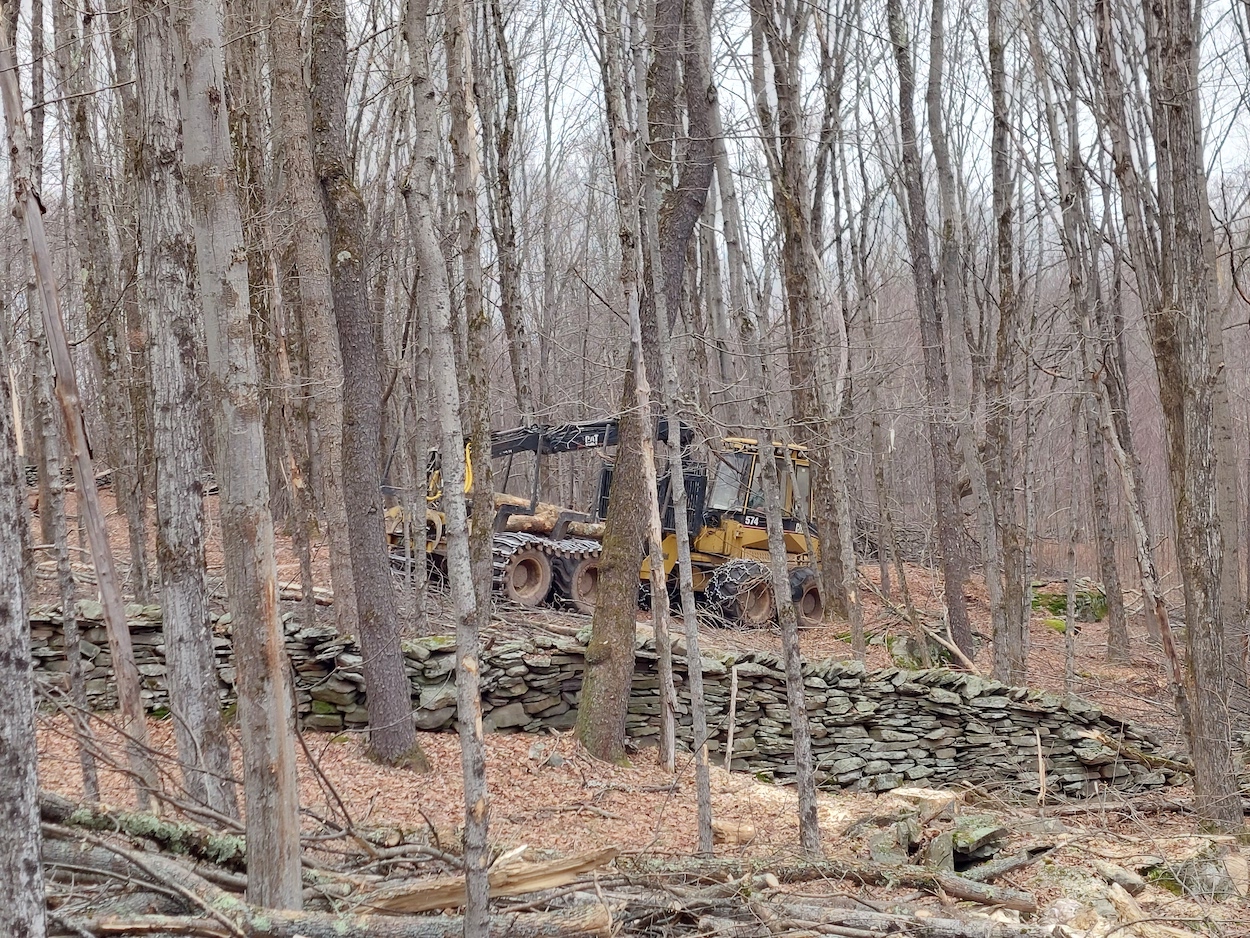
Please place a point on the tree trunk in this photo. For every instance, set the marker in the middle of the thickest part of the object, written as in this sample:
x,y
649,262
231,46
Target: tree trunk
x,y
948,305
1170,234
271,790
243,36
29,212
130,332
937,386
1011,647
1084,288
21,876
310,242
683,206
460,84
392,736
1104,539
817,381
435,307
610,653
501,129
169,301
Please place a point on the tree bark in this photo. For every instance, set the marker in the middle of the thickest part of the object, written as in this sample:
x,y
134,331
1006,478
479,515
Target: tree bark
x,y
29,212
682,208
946,312
131,331
1170,233
435,306
310,242
271,792
169,302
937,382
21,875
818,381
465,160
1011,647
610,653
392,736
501,130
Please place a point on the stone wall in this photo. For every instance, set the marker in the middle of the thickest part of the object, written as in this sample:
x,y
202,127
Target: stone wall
x,y
873,730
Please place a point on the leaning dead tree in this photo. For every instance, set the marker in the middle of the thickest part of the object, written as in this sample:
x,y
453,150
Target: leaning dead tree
x,y
29,212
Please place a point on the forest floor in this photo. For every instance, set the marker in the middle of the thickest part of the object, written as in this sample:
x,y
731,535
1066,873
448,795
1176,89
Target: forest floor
x,y
550,798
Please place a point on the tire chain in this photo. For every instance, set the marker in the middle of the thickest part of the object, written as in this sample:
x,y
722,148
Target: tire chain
x,y
728,581
565,550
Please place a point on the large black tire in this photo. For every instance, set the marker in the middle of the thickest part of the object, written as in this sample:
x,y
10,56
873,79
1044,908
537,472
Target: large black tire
x,y
577,583
756,608
741,592
809,605
527,577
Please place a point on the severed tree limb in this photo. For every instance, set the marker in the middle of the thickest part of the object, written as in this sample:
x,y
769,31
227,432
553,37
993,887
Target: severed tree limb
x,y
1137,921
903,614
952,648
881,923
157,868
228,916
868,874
988,872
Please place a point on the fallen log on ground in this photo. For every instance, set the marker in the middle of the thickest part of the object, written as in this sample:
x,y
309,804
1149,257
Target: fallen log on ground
x,y
270,923
224,915
883,923
175,836
1137,921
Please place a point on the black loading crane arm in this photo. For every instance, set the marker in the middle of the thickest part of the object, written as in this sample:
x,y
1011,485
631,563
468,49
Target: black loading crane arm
x,y
544,440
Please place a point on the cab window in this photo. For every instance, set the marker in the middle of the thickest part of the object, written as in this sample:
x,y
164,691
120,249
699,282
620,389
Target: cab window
x,y
728,484
800,488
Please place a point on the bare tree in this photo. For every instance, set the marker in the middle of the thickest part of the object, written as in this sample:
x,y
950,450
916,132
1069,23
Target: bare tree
x,y
271,793
169,301
476,324
392,736
818,380
1011,639
22,913
310,246
132,366
500,132
937,377
610,654
1170,235
29,213
434,302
